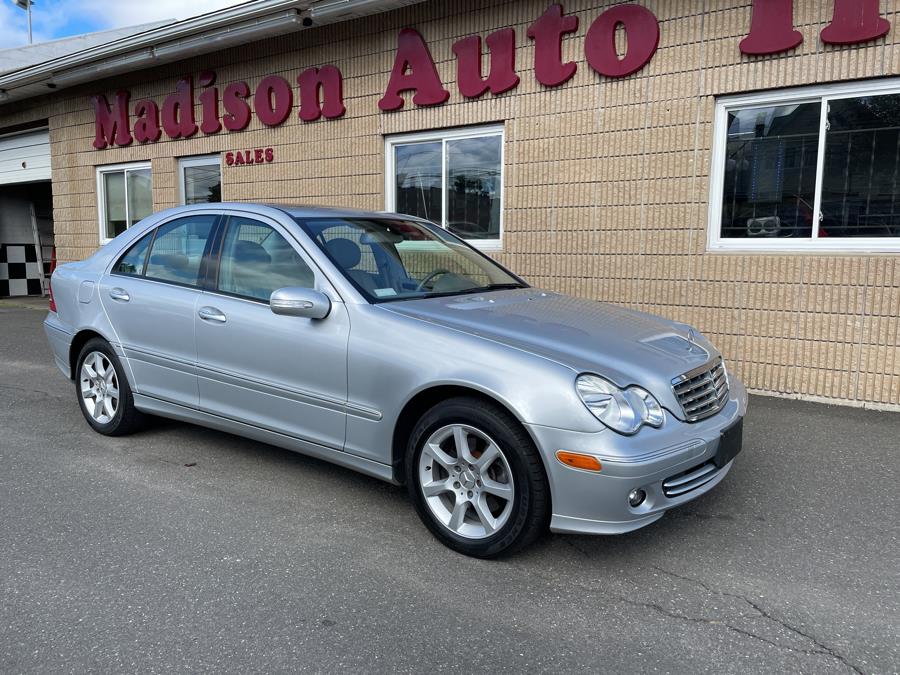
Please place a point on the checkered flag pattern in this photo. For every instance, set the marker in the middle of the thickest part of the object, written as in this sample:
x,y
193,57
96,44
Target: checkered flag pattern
x,y
20,269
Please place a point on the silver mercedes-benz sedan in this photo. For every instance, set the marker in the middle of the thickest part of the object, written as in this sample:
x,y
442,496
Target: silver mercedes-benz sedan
x,y
384,343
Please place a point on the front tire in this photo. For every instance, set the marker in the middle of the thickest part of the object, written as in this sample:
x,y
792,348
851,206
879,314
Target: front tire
x,y
104,395
476,478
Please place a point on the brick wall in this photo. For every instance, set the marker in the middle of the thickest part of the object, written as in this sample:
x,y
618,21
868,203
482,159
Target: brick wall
x,y
606,184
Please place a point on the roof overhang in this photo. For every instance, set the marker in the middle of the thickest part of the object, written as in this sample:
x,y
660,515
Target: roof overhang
x,y
211,32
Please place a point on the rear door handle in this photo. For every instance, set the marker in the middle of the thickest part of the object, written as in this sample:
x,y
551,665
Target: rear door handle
x,y
119,294
212,315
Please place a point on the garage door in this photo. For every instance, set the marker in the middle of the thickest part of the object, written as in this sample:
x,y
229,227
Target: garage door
x,y
25,157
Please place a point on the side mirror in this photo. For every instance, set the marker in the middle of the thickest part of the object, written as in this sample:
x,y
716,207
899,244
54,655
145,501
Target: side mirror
x,y
304,302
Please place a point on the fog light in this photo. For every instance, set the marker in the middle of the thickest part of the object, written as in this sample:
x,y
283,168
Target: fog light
x,y
636,498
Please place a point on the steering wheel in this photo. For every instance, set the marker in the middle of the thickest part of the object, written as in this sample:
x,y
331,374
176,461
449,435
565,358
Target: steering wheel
x,y
430,277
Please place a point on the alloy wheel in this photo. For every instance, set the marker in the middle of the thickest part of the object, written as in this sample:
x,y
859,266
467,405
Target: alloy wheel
x,y
99,387
466,480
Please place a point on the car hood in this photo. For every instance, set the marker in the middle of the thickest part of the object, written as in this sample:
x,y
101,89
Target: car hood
x,y
624,345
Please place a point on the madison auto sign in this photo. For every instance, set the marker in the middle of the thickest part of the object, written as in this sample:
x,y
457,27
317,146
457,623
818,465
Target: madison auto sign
x,y
320,90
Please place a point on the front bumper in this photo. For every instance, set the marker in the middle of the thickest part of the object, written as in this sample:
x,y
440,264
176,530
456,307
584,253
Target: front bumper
x,y
597,503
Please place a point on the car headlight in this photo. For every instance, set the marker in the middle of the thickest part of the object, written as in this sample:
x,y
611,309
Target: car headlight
x,y
623,410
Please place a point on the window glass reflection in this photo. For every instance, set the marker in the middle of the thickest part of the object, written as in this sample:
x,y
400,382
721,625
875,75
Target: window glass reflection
x,y
473,189
770,171
862,168
202,184
418,176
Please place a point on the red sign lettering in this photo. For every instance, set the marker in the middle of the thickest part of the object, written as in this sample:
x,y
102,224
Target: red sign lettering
x,y
329,82
771,28
772,25
413,70
249,157
178,111
146,126
855,21
642,30
209,104
111,124
547,33
320,90
273,100
237,110
502,75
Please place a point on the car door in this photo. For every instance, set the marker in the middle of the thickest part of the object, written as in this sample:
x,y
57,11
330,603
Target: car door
x,y
282,373
150,297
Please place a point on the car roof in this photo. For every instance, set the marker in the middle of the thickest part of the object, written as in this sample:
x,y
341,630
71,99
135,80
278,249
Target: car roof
x,y
300,210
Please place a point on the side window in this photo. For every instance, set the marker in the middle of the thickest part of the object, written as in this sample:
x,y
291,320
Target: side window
x,y
257,260
133,260
178,249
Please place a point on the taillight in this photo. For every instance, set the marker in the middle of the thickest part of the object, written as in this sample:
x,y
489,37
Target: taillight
x,y
52,302
50,281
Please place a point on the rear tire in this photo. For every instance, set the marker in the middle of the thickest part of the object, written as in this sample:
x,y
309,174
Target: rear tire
x,y
103,392
476,478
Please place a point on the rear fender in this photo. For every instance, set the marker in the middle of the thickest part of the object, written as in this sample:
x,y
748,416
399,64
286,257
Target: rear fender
x,y
81,314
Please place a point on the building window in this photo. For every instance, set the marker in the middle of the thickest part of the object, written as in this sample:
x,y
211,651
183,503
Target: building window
x,y
200,179
808,170
451,177
125,196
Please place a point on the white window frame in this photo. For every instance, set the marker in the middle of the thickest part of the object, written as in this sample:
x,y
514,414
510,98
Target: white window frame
x,y
101,192
445,135
822,94
200,160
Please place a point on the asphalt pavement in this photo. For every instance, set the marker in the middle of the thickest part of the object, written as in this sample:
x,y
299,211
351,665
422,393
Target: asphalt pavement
x,y
181,548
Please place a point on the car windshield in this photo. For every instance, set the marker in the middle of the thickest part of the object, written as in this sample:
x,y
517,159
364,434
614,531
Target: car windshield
x,y
393,259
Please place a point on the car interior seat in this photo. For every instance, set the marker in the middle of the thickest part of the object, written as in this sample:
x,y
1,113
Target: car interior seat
x,y
347,254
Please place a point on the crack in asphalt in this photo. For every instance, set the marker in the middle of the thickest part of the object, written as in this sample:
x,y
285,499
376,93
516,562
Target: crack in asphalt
x,y
823,649
45,394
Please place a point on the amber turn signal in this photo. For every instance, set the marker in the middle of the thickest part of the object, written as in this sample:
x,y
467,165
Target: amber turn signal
x,y
578,461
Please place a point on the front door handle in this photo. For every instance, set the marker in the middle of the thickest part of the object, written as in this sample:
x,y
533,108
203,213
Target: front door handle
x,y
212,315
119,294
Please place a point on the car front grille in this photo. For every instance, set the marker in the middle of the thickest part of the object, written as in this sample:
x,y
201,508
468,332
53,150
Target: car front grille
x,y
689,480
702,392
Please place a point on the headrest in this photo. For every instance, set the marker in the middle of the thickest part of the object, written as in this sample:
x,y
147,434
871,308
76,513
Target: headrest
x,y
345,252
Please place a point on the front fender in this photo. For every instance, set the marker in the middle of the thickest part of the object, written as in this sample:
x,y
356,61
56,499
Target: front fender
x,y
392,358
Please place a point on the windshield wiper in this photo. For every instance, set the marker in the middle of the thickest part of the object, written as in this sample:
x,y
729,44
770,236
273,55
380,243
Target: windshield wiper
x,y
500,287
494,287
476,289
